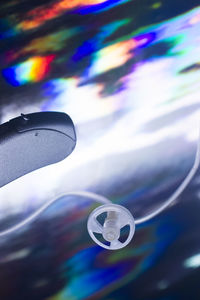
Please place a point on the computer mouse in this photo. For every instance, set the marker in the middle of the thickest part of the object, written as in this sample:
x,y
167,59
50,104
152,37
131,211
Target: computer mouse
x,y
32,141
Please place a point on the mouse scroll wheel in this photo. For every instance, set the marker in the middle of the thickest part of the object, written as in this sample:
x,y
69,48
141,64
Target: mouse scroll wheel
x,y
24,117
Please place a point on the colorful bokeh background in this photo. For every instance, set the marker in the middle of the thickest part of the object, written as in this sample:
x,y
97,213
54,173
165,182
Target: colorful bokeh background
x,y
128,74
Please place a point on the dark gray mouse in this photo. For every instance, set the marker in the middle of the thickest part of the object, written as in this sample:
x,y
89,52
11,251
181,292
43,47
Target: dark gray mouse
x,y
33,141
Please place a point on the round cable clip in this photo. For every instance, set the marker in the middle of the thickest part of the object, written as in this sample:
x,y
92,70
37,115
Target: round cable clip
x,y
117,218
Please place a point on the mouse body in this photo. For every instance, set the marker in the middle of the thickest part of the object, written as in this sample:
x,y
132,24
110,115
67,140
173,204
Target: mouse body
x,y
33,141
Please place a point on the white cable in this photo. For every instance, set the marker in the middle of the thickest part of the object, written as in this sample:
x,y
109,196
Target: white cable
x,y
178,191
102,199
33,216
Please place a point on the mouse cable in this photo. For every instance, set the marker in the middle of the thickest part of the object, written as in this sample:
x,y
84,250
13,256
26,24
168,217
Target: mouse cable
x,y
104,200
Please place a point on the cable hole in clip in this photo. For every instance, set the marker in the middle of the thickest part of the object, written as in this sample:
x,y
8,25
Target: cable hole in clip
x,y
124,233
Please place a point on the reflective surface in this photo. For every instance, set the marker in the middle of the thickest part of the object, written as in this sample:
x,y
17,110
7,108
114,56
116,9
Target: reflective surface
x,y
128,74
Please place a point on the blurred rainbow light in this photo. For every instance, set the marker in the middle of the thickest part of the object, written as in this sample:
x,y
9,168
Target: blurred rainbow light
x,y
32,70
43,13
112,57
6,29
40,46
104,5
